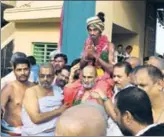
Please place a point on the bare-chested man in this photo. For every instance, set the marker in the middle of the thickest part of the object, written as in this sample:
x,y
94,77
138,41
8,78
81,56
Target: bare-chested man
x,y
42,105
12,97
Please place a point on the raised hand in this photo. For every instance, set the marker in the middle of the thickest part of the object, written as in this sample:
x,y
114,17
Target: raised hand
x,y
101,93
91,51
96,96
74,68
64,107
85,97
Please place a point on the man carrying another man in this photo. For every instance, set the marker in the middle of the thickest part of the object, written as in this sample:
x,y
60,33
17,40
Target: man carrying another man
x,y
88,83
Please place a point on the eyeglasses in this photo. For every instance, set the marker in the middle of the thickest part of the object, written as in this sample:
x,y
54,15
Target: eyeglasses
x,y
47,76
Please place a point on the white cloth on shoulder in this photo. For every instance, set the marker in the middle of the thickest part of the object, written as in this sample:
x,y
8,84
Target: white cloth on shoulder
x,y
46,104
113,129
11,77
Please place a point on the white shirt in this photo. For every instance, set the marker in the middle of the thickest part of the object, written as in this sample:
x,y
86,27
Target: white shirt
x,y
113,129
116,90
127,55
145,129
11,77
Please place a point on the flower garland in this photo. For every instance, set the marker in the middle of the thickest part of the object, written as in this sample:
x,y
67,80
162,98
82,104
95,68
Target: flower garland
x,y
103,44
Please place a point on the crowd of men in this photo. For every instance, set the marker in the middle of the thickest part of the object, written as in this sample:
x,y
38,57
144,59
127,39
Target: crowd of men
x,y
97,95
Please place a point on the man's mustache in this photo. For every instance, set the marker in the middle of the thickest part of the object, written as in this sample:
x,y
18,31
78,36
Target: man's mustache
x,y
45,82
23,76
93,36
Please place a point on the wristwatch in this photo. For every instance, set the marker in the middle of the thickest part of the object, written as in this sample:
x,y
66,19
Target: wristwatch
x,y
105,99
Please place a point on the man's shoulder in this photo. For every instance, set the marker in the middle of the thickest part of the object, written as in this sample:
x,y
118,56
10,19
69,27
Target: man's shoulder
x,y
33,88
104,36
32,91
12,84
9,86
31,84
157,130
56,87
75,84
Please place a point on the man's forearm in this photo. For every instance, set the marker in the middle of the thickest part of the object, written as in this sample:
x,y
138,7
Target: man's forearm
x,y
105,65
110,109
46,116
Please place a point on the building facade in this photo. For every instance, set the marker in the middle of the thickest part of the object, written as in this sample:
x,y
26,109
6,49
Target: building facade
x,y
37,26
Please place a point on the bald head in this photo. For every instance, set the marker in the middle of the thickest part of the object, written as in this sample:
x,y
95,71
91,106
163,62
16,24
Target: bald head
x,y
134,61
90,69
81,120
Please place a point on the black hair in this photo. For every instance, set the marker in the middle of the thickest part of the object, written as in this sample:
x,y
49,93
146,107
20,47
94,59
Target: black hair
x,y
63,56
67,67
137,102
101,16
145,59
126,65
32,60
129,47
160,56
120,45
76,61
21,61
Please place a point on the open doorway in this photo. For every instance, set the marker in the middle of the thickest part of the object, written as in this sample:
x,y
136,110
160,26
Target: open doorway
x,y
160,32
125,37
